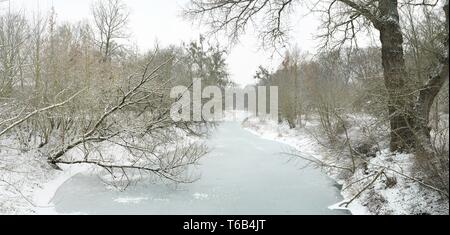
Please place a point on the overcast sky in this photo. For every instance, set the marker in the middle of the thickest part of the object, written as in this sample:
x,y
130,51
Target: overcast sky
x,y
161,21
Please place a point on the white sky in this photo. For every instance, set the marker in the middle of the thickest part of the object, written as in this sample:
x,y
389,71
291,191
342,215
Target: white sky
x,y
160,20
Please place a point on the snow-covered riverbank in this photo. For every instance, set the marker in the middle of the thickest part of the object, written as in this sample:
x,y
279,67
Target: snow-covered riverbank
x,y
241,174
44,195
391,193
27,183
21,176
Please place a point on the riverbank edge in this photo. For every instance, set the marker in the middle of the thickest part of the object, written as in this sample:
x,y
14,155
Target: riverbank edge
x,y
44,190
405,197
356,208
43,196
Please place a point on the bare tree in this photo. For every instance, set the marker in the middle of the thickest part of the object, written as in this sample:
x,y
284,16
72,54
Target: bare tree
x,y
131,121
111,19
13,122
409,110
13,36
37,38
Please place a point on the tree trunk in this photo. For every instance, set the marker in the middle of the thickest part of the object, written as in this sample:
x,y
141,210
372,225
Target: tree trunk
x,y
427,95
402,138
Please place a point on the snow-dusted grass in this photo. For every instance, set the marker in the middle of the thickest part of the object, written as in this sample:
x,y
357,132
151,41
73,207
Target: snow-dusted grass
x,y
394,192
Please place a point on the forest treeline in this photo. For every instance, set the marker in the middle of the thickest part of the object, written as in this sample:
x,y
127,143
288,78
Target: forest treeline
x,y
344,85
77,91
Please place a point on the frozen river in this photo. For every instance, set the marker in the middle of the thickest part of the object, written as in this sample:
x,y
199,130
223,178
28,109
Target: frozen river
x,y
243,174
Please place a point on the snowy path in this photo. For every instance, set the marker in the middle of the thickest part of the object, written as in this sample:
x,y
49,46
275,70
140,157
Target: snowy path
x,y
243,174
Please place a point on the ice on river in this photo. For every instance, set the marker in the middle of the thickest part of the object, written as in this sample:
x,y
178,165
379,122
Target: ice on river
x,y
243,174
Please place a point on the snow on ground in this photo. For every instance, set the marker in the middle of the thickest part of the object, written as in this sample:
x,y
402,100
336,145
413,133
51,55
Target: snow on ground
x,y
28,183
301,140
43,195
21,175
392,193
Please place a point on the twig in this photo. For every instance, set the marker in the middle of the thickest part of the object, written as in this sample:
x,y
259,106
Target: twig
x,y
30,115
346,204
319,162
